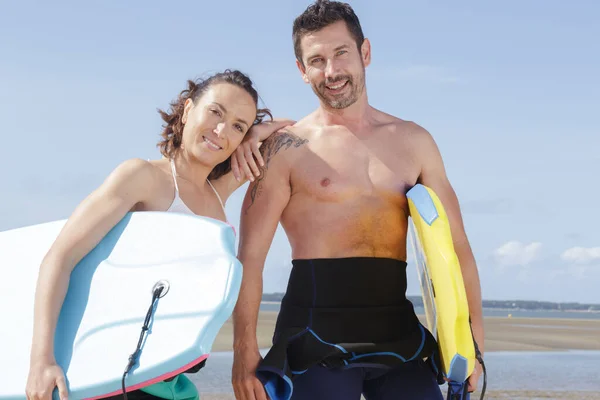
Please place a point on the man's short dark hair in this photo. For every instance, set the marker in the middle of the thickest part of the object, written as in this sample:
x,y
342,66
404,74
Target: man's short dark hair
x,y
321,14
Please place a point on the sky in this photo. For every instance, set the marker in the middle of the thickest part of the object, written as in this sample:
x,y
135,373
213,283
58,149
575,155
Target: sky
x,y
509,90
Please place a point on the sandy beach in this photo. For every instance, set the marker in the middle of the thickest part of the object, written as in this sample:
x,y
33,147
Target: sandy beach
x,y
502,334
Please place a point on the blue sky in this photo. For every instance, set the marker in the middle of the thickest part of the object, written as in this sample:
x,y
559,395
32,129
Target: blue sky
x,y
510,90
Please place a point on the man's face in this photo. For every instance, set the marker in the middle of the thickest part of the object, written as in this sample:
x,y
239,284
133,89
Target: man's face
x,y
334,66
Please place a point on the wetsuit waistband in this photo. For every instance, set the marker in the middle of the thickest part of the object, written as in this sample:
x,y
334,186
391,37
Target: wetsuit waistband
x,y
346,282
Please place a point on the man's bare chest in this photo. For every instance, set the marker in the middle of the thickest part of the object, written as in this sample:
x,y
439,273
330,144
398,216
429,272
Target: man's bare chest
x,y
344,165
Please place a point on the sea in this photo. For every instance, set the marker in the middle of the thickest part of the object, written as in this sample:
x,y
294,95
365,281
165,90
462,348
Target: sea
x,y
547,371
558,371
493,312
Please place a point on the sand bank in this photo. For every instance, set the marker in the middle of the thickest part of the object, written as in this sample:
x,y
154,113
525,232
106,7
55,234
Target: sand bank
x,y
501,333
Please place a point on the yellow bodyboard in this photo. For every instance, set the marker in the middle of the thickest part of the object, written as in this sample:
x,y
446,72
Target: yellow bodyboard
x,y
442,287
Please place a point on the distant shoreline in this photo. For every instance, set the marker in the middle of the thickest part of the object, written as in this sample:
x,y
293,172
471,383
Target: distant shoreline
x,y
499,305
272,302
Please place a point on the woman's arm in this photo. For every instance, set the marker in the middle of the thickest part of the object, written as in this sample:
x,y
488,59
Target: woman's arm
x,y
244,159
93,218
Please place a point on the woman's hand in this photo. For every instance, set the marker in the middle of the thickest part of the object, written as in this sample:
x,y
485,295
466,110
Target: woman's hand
x,y
244,159
42,380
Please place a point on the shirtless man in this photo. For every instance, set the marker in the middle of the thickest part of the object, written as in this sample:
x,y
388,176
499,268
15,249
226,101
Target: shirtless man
x,y
337,182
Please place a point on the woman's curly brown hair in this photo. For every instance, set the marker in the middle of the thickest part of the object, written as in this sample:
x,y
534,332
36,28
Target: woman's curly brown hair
x,y
172,132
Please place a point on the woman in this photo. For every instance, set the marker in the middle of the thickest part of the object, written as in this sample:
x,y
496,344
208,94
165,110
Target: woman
x,y
209,144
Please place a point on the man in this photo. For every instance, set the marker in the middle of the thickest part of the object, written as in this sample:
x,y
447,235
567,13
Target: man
x,y
337,182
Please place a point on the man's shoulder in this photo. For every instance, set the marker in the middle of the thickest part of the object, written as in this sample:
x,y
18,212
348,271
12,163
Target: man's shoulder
x,y
293,136
398,125
404,130
290,139
283,144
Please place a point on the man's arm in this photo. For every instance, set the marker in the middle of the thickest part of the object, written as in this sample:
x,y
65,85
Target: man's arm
x,y
433,175
262,208
263,205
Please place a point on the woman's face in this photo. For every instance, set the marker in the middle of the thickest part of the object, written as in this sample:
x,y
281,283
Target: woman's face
x,y
216,124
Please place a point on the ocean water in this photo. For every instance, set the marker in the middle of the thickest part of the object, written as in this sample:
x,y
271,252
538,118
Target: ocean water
x,y
548,371
494,312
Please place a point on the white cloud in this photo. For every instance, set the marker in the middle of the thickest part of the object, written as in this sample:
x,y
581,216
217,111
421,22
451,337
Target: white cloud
x,y
517,253
581,255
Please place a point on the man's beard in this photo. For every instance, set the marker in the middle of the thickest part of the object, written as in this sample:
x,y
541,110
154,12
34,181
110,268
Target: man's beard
x,y
345,99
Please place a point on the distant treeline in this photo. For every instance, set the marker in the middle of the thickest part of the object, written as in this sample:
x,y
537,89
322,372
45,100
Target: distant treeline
x,y
501,304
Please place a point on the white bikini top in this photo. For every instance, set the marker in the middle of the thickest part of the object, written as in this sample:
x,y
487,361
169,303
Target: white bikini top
x,y
178,205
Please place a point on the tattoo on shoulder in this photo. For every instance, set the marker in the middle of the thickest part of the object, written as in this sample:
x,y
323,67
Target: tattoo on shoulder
x,y
277,142
281,140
